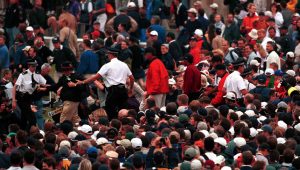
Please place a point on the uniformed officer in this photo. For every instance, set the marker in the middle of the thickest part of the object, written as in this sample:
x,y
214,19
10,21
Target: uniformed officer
x,y
27,83
235,82
115,73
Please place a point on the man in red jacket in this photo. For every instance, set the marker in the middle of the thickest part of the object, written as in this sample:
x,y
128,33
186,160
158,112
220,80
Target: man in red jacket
x,y
157,80
191,79
222,73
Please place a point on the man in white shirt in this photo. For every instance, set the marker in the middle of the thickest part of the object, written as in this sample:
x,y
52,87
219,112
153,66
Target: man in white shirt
x,y
114,74
273,56
15,160
235,82
263,38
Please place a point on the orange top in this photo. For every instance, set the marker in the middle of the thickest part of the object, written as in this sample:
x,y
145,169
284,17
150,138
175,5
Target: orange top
x,y
248,22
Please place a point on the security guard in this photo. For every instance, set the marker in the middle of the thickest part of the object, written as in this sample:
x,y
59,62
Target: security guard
x,y
115,73
26,85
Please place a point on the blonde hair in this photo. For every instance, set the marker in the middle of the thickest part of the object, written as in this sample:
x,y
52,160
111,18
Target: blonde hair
x,y
97,114
85,164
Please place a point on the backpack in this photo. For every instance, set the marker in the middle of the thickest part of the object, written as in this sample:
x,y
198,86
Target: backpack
x,y
236,51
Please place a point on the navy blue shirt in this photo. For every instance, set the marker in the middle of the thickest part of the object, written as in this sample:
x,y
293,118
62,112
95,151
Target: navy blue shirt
x,y
89,63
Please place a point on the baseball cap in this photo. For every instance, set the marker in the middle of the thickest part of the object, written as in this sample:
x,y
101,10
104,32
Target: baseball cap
x,y
55,40
92,150
196,164
65,143
124,142
269,71
291,73
221,141
131,4
290,54
261,78
136,143
214,5
239,142
250,113
282,124
190,153
154,33
198,32
278,73
29,28
254,63
102,141
230,96
85,129
112,154
192,10
267,128
72,135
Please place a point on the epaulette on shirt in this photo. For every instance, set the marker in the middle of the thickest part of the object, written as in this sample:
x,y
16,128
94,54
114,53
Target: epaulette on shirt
x,y
25,72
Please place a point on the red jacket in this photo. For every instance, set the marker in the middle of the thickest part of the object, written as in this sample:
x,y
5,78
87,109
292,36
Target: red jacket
x,y
218,99
191,80
248,22
195,52
157,81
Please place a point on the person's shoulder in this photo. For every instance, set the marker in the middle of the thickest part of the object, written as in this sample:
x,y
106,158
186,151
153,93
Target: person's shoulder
x,y
24,72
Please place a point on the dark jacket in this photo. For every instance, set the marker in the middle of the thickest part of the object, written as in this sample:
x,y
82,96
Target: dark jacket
x,y
44,53
168,61
231,32
75,94
14,15
63,55
263,92
181,17
37,16
175,50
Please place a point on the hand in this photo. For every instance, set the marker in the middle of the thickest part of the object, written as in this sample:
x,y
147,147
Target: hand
x,y
71,84
59,91
79,82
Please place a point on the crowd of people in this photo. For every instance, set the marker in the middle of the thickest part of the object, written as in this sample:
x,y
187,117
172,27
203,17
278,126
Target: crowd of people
x,y
213,93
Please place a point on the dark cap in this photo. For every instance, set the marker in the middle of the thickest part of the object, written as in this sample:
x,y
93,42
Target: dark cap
x,y
55,40
66,66
171,35
123,9
239,62
261,78
112,50
246,72
32,62
188,57
220,67
267,128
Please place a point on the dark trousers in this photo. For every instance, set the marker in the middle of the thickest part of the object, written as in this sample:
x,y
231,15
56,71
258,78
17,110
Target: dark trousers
x,y
116,100
27,116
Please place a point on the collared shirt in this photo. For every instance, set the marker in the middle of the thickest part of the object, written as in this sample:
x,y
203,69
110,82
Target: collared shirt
x,y
235,83
29,167
115,72
24,81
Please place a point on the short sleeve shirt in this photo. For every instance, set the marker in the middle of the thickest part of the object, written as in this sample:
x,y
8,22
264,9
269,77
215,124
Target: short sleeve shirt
x,y
25,83
235,83
115,72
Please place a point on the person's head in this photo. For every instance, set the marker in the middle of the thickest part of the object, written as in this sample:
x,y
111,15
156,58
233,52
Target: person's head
x,y
261,34
270,46
32,64
271,22
220,70
155,20
248,49
2,39
182,100
164,48
16,158
177,2
124,44
38,3
272,32
283,30
85,164
225,45
149,53
193,42
230,18
7,74
169,37
288,155
153,35
251,8
32,52
29,157
247,158
218,18
56,42
114,164
259,165
87,44
192,13
13,2
188,59
96,25
49,163
45,69
275,8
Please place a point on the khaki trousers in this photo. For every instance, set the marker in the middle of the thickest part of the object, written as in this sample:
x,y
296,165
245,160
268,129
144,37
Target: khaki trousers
x,y
70,112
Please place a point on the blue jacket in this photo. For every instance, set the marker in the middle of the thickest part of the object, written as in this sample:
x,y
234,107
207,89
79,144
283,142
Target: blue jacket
x,y
4,59
89,63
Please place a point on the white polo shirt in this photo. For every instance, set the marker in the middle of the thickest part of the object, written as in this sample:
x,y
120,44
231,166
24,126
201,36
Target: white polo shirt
x,y
115,72
234,82
24,81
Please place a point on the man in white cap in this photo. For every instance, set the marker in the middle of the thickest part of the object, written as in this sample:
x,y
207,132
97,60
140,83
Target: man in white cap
x,y
192,23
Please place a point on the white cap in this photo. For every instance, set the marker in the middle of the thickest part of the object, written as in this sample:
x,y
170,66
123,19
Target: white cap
x,y
26,48
253,132
296,14
268,13
85,129
214,5
264,105
124,142
226,168
198,32
253,34
269,71
29,28
112,154
250,113
72,135
239,113
196,164
282,124
297,127
230,95
102,141
291,73
219,159
172,81
65,143
136,143
239,142
281,140
291,54
261,119
221,141
154,33
213,135
192,10
205,132
42,132
254,63
131,4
